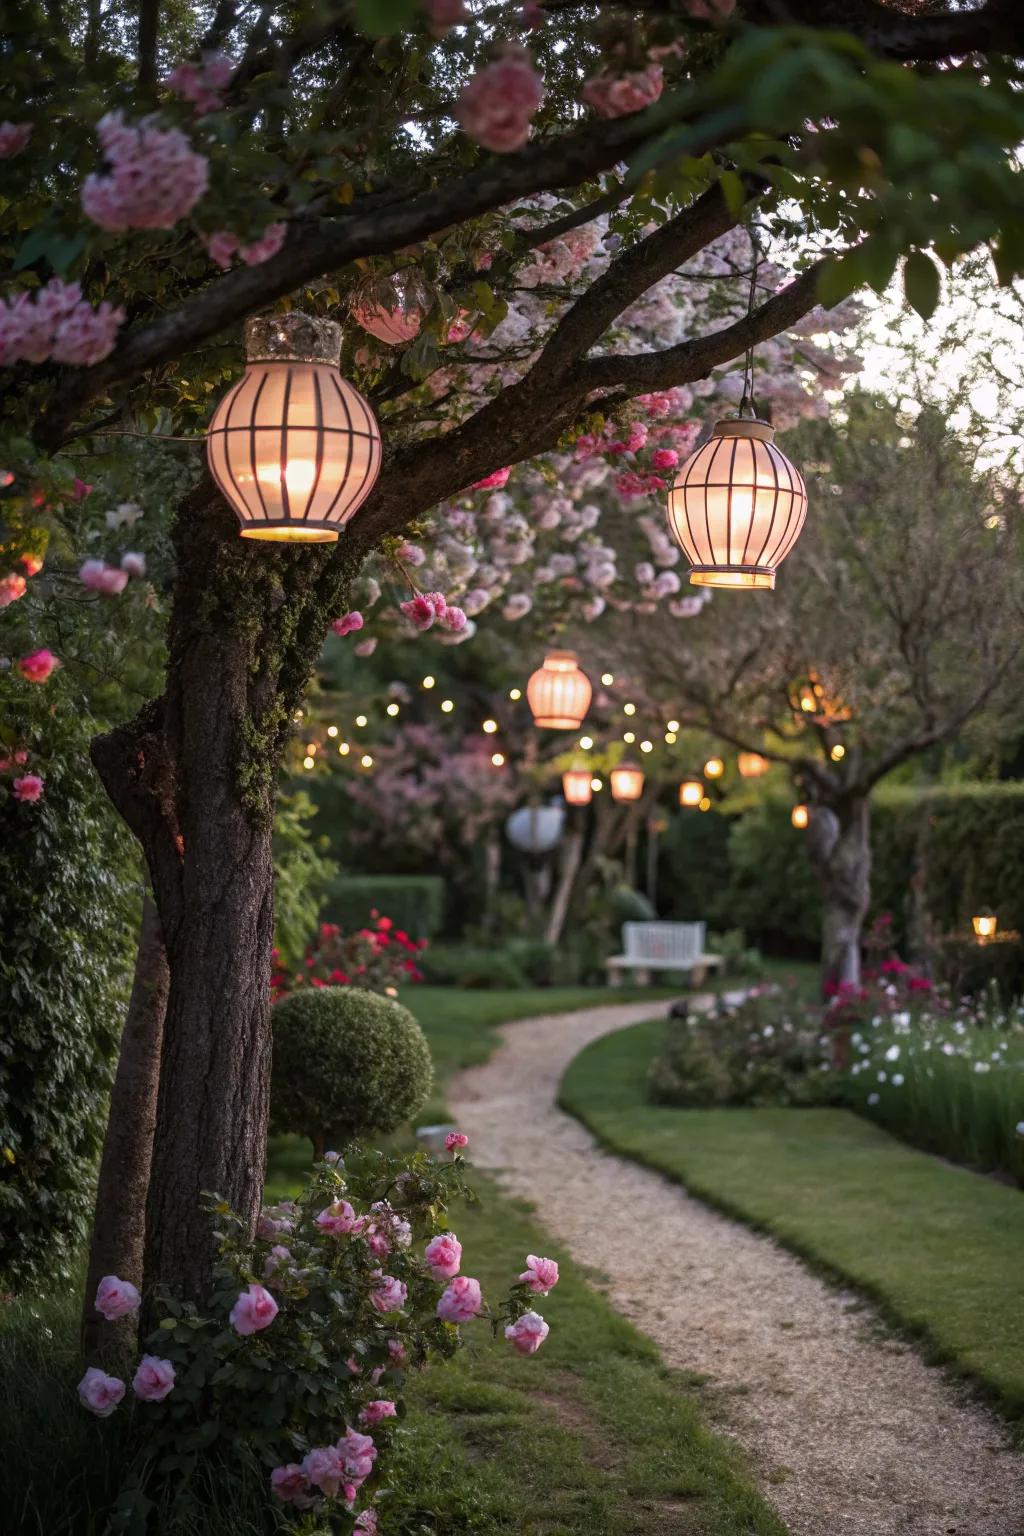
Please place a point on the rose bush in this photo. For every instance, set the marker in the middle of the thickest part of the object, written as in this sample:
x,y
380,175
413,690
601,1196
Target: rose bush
x,y
301,1359
380,958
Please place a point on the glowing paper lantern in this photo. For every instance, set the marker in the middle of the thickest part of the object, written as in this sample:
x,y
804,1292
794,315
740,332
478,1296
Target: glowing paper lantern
x,y
577,786
737,507
293,446
627,781
559,693
984,926
800,816
752,765
691,792
714,768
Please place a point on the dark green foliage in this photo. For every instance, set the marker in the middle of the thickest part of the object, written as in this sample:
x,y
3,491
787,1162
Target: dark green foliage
x,y
347,1064
413,902
68,913
629,906
472,968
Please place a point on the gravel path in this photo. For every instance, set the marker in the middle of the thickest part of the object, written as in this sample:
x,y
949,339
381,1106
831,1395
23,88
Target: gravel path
x,y
849,1432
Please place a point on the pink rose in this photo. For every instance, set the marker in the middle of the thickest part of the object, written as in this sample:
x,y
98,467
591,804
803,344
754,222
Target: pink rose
x,y
254,1310
100,577
541,1275
419,610
378,1244
461,1301
455,1141
28,788
366,1523
324,1467
153,1380
444,1255
116,1298
398,1353
37,667
496,106
617,95
11,588
99,1392
454,619
348,623
291,1485
13,138
388,1294
358,1453
494,481
665,458
380,1408
527,1333
277,1257
339,1219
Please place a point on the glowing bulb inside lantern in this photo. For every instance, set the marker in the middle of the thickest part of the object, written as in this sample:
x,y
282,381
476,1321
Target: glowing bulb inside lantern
x,y
297,476
984,926
691,792
800,816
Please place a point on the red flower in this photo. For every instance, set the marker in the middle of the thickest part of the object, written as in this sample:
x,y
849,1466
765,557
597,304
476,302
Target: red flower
x,y
339,977
385,923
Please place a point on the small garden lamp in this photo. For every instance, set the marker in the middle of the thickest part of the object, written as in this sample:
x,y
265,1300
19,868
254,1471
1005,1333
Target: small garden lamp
x,y
752,765
627,781
691,792
800,816
577,786
984,925
294,448
558,693
714,768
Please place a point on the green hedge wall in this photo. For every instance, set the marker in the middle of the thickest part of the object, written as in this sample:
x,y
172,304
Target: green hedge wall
x,y
966,842
413,902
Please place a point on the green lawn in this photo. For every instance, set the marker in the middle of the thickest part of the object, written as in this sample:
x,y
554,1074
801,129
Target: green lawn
x,y
591,1435
940,1248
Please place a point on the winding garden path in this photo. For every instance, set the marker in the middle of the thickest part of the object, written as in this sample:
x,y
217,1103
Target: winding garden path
x,y
848,1431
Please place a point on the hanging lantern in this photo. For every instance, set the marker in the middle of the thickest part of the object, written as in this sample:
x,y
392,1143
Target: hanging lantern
x,y
984,925
800,816
737,506
714,768
559,693
691,792
627,781
293,447
392,306
752,765
577,786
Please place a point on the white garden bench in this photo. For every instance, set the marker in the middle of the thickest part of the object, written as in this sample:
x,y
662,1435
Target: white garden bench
x,y
662,947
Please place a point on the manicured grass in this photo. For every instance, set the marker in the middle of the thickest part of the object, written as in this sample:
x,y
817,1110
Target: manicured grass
x,y
940,1248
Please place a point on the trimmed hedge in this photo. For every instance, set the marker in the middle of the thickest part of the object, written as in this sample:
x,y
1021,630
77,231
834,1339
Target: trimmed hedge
x,y
413,902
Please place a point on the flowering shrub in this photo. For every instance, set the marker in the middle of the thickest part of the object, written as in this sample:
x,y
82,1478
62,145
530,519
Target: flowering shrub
x,y
312,1329
380,958
346,1063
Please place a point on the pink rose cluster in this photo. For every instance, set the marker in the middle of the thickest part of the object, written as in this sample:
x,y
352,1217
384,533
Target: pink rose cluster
x,y
428,608
455,1141
153,1379
37,666
12,586
155,176
55,322
111,580
497,105
617,94
202,84
223,246
13,138
27,786
331,1469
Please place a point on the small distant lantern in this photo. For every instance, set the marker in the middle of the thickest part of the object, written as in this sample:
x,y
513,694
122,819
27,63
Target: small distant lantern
x,y
578,786
752,765
392,306
984,925
714,768
800,816
293,446
691,792
737,507
559,693
627,781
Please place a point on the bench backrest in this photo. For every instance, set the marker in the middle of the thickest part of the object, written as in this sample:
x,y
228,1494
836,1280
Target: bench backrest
x,y
682,942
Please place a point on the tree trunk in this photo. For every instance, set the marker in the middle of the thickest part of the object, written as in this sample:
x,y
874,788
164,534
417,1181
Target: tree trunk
x,y
840,851
572,854
118,1233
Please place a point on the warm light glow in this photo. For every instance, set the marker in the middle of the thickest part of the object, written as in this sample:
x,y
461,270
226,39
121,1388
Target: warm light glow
x,y
800,816
691,792
595,785
498,759
704,804
447,705
307,762
737,507
429,682
586,742
299,714
629,709
808,703
671,738
293,447
390,991
647,746
838,752
752,765
332,731
629,737
607,679
577,786
344,748
392,709
559,693
985,926
490,726
360,719
627,782
515,693
714,768
673,725
311,747
366,760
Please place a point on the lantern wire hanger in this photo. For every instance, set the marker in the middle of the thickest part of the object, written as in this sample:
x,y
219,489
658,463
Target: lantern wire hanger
x,y
747,402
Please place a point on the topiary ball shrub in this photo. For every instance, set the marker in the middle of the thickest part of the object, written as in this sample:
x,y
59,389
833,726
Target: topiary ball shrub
x,y
347,1064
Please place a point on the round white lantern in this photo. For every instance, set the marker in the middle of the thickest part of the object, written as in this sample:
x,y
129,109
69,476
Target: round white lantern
x,y
558,693
535,828
293,446
737,507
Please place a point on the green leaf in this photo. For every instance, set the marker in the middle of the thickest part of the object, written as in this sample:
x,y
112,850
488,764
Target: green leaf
x,y
383,18
921,283
877,259
839,279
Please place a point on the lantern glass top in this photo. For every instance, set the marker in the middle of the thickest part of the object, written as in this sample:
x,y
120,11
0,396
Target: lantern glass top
x,y
292,338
